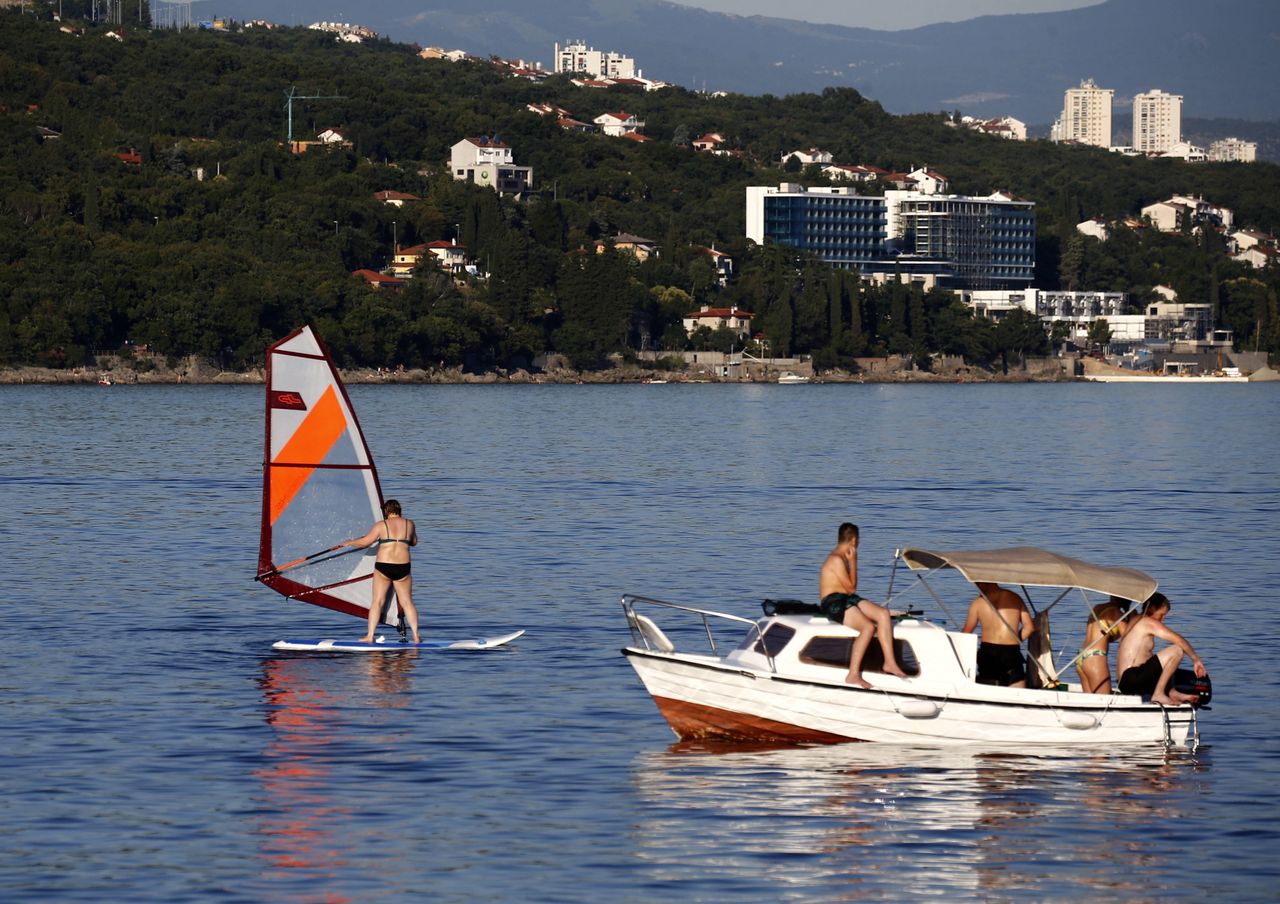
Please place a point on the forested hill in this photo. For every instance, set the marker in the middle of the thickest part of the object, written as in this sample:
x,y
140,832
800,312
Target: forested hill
x,y
95,251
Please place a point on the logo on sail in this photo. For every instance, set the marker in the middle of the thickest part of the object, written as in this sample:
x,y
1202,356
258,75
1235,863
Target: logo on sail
x,y
290,400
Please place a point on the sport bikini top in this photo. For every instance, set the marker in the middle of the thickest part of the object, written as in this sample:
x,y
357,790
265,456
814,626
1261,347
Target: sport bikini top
x,y
391,539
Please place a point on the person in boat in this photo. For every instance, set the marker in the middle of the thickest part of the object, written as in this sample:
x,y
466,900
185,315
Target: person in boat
x,y
1106,623
997,610
393,536
840,602
1147,673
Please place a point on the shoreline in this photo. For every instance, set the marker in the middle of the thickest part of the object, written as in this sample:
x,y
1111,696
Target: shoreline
x,y
25,376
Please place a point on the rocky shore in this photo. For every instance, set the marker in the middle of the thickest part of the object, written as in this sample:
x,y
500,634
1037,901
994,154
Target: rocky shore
x,y
202,374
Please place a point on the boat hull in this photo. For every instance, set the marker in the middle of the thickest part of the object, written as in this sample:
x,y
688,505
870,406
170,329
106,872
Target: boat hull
x,y
702,697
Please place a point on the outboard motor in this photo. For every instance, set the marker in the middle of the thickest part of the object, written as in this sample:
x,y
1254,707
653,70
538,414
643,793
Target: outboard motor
x,y
1186,681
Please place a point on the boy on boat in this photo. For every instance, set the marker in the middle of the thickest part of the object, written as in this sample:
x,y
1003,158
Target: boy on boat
x,y
997,610
1146,673
837,590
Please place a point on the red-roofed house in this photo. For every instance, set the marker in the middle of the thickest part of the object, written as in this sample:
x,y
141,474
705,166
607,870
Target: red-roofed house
x,y
130,157
708,142
636,136
405,259
928,182
618,124
379,280
547,110
451,256
714,318
394,198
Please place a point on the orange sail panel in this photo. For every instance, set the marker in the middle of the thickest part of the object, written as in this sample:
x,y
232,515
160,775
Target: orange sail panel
x,y
310,443
319,483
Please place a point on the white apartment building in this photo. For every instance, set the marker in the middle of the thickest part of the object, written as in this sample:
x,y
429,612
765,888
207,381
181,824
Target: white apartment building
x,y
1086,115
1183,210
808,156
578,57
1157,121
1230,150
1078,310
487,161
1185,150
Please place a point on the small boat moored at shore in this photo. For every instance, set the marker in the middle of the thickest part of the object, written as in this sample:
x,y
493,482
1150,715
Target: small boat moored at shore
x,y
790,378
783,679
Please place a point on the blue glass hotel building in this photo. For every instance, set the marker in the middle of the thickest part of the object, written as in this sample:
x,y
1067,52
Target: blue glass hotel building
x,y
952,241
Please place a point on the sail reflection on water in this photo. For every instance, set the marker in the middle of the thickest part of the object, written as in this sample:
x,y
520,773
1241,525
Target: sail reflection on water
x,y
958,822
319,710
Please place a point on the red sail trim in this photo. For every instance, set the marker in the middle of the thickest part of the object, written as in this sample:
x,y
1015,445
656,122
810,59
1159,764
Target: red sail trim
x,y
286,586
297,464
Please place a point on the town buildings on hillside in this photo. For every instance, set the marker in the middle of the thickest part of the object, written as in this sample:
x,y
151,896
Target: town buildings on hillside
x,y
945,240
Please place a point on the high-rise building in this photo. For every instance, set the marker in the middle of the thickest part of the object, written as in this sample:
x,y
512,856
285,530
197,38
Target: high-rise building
x,y
1086,115
1157,121
578,57
953,241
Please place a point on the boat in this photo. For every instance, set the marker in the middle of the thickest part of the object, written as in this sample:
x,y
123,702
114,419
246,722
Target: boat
x,y
319,487
780,677
790,378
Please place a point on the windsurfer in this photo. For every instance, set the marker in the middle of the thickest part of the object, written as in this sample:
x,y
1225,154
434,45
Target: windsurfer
x,y
393,536
837,590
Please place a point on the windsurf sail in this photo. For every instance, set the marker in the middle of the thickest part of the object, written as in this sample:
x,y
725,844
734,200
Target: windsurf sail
x,y
319,485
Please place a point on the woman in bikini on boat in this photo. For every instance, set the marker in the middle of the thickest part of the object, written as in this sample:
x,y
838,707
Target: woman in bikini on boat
x,y
393,536
1104,626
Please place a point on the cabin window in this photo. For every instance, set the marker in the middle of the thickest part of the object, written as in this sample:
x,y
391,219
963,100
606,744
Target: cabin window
x,y
774,640
835,651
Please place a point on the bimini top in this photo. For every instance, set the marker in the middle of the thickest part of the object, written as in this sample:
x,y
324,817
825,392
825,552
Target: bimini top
x,y
1033,567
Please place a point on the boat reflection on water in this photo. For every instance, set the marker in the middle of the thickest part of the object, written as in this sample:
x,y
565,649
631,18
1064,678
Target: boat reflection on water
x,y
319,709
869,820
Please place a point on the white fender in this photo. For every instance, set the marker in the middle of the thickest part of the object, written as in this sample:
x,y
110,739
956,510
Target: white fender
x,y
918,709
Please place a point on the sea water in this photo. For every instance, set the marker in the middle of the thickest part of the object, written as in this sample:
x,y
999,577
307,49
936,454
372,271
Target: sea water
x,y
157,748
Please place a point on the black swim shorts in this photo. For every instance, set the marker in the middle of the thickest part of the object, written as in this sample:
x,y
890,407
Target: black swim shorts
x,y
834,604
1001,663
1142,679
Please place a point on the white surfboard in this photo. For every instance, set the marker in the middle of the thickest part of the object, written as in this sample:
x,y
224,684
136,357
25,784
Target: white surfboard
x,y
382,645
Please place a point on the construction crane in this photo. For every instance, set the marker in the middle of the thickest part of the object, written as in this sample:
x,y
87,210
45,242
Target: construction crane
x,y
290,97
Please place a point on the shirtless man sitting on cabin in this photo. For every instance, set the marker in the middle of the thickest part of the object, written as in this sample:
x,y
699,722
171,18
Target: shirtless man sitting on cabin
x,y
837,589
997,611
1145,674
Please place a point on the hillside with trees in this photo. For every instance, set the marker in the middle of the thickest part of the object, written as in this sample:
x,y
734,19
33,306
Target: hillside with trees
x,y
222,240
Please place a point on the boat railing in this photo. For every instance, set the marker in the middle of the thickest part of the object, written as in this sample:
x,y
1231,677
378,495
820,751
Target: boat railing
x,y
646,633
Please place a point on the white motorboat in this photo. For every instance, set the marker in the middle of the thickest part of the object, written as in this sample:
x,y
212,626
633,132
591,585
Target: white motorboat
x,y
789,378
784,677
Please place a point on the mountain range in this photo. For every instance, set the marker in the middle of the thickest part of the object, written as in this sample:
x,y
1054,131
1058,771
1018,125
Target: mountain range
x,y
1223,57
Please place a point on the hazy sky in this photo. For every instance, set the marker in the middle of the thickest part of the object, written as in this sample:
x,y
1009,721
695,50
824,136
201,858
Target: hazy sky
x,y
884,14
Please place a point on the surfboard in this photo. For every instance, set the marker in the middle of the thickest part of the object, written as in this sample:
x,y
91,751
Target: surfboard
x,y
382,645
